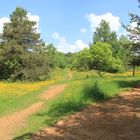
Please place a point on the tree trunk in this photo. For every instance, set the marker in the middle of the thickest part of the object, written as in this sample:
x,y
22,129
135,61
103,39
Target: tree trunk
x,y
101,74
133,71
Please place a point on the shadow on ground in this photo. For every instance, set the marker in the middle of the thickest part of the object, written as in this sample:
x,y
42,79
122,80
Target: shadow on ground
x,y
127,84
117,119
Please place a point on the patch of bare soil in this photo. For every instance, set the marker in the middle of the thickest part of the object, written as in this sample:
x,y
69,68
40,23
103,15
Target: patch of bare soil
x,y
9,124
117,119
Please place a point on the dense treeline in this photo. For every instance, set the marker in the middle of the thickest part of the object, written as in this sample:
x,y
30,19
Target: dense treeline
x,y
106,53
110,53
24,55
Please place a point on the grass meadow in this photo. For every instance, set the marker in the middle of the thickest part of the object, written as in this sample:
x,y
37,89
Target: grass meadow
x,y
84,88
17,95
14,96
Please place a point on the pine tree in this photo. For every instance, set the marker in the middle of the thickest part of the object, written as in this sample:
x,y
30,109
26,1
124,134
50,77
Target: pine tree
x,y
21,49
134,34
20,29
104,34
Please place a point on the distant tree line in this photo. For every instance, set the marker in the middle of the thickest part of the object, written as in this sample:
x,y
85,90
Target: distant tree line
x,y
24,55
110,53
107,52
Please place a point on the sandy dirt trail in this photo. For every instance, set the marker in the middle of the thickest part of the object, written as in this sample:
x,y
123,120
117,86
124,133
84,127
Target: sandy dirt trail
x,y
9,124
116,119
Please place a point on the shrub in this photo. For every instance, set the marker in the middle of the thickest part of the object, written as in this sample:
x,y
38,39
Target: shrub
x,y
99,90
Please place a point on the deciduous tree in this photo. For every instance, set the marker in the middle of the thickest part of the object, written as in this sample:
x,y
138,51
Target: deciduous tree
x,y
102,59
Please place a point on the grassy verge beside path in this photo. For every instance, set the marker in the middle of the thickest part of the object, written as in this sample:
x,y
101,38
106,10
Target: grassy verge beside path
x,y
83,89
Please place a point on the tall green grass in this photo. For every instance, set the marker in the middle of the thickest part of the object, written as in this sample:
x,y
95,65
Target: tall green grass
x,y
60,75
101,90
79,94
11,103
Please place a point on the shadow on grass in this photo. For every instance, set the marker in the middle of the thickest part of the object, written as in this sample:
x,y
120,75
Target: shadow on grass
x,y
60,109
30,136
113,119
26,136
56,112
93,92
127,84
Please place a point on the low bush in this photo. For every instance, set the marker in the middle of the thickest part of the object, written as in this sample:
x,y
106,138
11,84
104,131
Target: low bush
x,y
100,90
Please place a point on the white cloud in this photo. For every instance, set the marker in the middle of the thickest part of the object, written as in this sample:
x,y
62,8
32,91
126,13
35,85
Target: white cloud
x,y
83,30
64,46
80,45
2,21
95,20
31,17
35,18
55,35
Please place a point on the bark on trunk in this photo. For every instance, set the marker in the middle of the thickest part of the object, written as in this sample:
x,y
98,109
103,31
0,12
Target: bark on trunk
x,y
133,71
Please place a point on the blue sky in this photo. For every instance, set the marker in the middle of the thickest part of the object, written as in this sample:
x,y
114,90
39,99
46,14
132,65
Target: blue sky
x,y
69,24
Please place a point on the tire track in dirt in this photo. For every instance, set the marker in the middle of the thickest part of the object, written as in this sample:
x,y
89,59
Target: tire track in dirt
x,y
10,123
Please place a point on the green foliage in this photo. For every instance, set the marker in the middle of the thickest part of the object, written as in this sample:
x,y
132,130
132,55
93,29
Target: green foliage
x,y
124,50
120,47
21,53
71,60
20,29
134,34
104,34
61,60
98,57
106,54
10,60
81,92
56,59
83,60
35,67
102,59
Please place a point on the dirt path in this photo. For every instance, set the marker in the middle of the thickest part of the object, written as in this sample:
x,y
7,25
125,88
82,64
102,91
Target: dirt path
x,y
9,124
117,119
